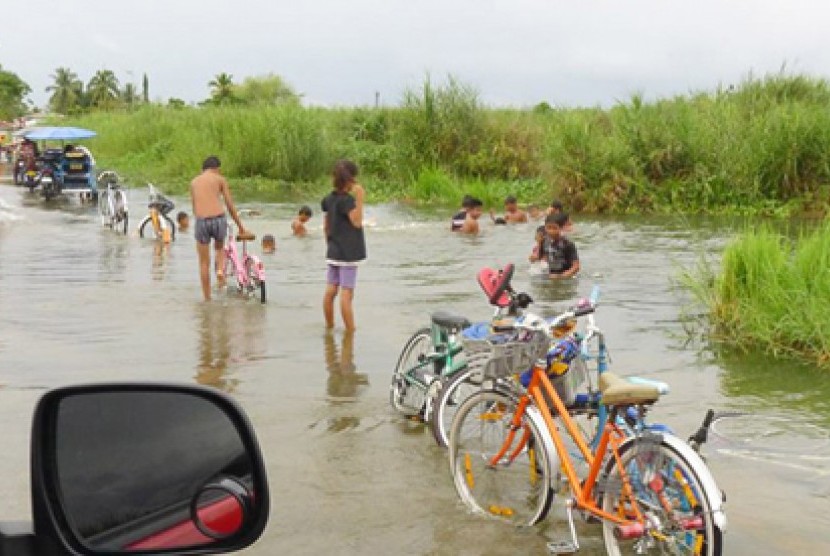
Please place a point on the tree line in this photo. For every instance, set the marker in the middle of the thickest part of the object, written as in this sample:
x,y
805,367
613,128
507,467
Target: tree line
x,y
104,91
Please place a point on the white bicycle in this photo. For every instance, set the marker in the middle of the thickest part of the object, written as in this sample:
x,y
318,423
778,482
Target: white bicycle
x,y
112,202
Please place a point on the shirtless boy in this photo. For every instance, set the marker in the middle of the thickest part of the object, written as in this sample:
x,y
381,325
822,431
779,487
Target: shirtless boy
x,y
210,194
512,213
470,224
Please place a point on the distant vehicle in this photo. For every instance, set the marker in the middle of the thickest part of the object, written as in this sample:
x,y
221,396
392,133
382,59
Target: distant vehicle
x,y
149,468
73,167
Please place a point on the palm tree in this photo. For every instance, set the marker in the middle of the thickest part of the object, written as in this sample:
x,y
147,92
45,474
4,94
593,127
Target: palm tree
x,y
222,89
102,89
67,91
129,95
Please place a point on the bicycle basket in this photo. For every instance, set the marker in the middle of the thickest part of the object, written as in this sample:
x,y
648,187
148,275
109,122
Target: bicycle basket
x,y
570,380
514,355
476,338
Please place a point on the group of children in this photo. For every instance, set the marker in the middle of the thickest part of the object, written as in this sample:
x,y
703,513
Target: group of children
x,y
551,246
269,243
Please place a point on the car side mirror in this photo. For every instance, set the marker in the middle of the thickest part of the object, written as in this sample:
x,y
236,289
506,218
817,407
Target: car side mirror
x,y
145,468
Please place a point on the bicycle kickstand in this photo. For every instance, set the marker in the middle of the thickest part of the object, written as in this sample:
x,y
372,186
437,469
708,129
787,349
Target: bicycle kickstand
x,y
567,546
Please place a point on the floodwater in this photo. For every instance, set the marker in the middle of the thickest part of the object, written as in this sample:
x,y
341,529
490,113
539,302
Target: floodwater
x,y
348,475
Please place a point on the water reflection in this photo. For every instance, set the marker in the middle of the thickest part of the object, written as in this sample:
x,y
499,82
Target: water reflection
x,y
761,383
230,335
542,288
161,251
112,259
344,382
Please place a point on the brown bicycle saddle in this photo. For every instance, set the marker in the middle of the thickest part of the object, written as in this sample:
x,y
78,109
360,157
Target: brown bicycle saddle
x,y
247,236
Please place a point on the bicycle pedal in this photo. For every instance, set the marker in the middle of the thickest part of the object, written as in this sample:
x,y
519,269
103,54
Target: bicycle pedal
x,y
562,547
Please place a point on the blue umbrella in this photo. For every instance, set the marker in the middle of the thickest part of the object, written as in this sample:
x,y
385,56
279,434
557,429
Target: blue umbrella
x,y
59,133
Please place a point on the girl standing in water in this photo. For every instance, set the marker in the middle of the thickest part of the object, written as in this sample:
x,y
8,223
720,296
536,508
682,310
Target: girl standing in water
x,y
345,244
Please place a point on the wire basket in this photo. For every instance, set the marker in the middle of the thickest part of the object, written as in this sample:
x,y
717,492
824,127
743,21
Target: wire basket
x,y
514,356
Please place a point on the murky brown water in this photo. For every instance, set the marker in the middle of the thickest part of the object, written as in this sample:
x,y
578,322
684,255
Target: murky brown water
x,y
348,475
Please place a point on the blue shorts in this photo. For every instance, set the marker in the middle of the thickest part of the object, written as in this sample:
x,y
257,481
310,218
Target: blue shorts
x,y
215,227
343,276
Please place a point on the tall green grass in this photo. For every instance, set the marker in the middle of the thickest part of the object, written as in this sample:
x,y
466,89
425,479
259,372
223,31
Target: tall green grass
x,y
772,293
763,148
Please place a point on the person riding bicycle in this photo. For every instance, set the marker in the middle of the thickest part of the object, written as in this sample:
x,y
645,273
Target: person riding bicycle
x,y
208,192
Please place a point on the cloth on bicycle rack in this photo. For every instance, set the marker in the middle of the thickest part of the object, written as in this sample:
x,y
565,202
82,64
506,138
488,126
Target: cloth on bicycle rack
x,y
557,359
479,338
477,331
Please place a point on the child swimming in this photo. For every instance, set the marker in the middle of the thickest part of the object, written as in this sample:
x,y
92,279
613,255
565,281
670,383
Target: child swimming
x,y
298,225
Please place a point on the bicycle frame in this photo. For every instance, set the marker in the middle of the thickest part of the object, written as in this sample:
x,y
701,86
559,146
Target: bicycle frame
x,y
160,226
448,346
612,436
241,264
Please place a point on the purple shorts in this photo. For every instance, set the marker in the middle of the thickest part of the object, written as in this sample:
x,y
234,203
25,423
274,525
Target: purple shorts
x,y
343,276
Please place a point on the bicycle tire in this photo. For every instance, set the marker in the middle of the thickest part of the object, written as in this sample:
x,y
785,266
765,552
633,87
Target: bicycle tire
x,y
255,284
519,488
230,273
146,229
403,396
121,212
455,389
653,464
104,209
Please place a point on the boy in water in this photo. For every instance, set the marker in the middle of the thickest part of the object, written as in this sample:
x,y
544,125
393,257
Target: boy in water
x,y
459,217
269,244
298,225
210,195
183,220
559,251
512,213
472,214
557,208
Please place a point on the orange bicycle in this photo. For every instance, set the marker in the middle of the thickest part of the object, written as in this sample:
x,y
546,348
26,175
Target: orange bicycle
x,y
651,491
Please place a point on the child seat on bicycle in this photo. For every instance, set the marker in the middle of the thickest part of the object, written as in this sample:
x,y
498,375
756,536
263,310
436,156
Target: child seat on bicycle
x,y
161,204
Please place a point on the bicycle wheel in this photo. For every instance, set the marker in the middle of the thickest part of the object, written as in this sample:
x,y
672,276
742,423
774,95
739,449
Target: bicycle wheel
x,y
121,212
231,274
517,488
669,488
146,228
253,279
457,388
406,394
104,209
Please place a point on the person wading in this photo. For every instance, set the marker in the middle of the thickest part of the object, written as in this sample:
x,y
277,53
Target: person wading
x,y
210,194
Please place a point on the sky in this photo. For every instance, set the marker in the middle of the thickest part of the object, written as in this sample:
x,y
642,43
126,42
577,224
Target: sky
x,y
515,53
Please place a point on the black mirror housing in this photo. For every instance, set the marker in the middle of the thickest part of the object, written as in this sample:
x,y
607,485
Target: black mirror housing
x,y
149,468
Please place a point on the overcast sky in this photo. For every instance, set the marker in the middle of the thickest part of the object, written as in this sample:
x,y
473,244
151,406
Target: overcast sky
x,y
340,52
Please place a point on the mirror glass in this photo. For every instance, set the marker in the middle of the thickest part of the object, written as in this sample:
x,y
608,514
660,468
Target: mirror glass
x,y
130,465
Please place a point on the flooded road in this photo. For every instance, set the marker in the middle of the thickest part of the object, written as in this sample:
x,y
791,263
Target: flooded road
x,y
79,303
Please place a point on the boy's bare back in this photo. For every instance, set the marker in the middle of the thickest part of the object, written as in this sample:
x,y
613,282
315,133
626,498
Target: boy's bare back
x,y
207,191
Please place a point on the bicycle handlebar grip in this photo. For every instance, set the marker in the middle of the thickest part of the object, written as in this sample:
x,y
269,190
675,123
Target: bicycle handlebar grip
x,y
584,311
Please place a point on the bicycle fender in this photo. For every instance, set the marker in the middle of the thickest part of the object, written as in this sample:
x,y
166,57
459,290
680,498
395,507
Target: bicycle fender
x,y
554,462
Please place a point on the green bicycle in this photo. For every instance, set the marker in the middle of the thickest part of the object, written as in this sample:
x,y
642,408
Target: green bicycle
x,y
436,354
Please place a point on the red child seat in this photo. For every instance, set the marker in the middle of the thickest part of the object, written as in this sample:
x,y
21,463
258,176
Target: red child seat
x,y
495,284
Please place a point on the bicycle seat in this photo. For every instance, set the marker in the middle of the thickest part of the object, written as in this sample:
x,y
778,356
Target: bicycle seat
x,y
618,391
449,320
247,236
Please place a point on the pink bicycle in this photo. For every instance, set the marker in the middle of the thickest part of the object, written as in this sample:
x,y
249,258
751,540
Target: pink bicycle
x,y
249,270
